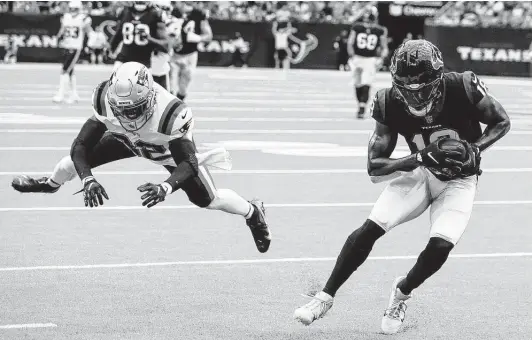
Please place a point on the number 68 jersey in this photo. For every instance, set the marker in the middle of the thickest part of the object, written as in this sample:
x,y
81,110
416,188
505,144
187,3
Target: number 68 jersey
x,y
456,114
368,38
171,119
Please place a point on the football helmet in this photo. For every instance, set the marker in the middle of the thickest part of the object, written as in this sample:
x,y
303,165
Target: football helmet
x,y
75,6
131,95
140,6
417,72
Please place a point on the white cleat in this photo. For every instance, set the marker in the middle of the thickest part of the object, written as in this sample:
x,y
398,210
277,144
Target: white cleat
x,y
395,314
58,99
73,99
315,309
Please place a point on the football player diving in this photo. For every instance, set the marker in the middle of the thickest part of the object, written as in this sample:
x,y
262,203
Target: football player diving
x,y
439,115
133,116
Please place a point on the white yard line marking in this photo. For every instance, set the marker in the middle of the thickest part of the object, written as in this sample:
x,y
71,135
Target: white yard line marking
x,y
28,325
247,172
271,205
258,261
241,131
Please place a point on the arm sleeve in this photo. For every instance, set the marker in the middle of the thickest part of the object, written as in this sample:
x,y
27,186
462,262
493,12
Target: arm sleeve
x,y
91,132
184,154
377,108
117,38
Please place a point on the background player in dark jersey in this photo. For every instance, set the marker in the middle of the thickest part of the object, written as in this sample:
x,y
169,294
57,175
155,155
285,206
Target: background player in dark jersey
x,y
195,29
139,32
430,109
367,46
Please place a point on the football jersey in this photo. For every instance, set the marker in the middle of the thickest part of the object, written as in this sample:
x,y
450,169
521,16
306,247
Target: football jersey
x,y
74,30
171,119
458,116
191,24
367,38
132,30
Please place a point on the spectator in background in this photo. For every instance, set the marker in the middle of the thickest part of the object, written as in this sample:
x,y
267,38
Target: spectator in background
x,y
340,45
238,59
282,52
11,51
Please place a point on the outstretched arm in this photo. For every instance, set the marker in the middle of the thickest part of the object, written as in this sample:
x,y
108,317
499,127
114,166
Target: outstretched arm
x,y
91,132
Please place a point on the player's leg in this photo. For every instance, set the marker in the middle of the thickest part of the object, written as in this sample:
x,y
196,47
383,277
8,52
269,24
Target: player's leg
x,y
162,80
174,75
362,84
286,59
99,56
93,56
202,192
68,59
74,97
450,212
107,150
405,198
185,76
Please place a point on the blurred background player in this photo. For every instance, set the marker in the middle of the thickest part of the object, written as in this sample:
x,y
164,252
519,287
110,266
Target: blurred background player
x,y
367,46
97,45
74,27
195,29
139,32
11,51
340,46
160,60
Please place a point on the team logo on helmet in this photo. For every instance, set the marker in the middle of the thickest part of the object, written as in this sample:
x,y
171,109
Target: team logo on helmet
x,y
142,77
436,60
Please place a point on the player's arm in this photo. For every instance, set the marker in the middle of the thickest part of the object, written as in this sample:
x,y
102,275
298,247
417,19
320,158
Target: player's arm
x,y
351,43
384,44
87,25
117,38
206,31
61,31
381,146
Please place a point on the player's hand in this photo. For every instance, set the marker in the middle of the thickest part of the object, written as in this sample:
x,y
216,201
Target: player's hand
x,y
431,155
471,166
154,193
93,192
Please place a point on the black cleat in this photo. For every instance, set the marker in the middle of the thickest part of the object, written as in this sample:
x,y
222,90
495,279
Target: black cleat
x,y
361,113
259,227
25,183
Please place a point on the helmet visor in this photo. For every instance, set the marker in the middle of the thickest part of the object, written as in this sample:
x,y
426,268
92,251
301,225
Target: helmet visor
x,y
132,117
418,96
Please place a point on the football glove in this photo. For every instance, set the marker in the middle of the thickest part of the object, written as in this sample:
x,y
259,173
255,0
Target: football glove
x,y
93,192
154,193
471,166
433,156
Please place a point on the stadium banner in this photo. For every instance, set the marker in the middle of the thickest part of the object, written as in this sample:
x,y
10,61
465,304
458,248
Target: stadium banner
x,y
488,51
310,45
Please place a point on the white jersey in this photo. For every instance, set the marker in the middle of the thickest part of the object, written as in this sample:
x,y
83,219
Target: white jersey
x,y
160,61
74,30
97,40
171,119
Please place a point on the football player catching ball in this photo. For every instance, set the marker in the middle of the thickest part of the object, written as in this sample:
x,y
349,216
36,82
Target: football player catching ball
x,y
439,115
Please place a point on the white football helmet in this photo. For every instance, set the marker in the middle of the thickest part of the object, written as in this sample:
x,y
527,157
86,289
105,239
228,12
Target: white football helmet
x,y
75,6
131,95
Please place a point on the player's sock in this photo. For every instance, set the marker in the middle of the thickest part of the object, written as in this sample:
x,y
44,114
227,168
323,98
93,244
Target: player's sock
x,y
358,93
63,85
64,171
429,262
354,252
73,87
364,94
230,202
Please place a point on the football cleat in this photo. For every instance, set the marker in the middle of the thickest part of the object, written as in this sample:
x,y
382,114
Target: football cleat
x,y
25,183
259,227
395,314
315,309
361,112
58,99
74,98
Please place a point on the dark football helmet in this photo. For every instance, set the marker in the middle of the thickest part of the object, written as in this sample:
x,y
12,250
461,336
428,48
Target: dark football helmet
x,y
417,73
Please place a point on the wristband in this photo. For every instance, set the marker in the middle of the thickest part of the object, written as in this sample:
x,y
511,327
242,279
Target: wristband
x,y
87,179
167,187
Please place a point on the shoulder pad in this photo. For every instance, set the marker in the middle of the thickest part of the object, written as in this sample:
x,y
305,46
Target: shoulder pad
x,y
475,88
177,116
98,99
378,106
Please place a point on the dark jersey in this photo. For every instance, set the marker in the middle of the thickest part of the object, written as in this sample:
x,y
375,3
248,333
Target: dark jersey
x,y
458,117
367,38
191,24
132,31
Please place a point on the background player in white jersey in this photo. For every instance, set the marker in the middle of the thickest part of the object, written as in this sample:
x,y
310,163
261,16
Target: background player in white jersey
x,y
74,27
160,60
133,116
195,29
97,45
367,46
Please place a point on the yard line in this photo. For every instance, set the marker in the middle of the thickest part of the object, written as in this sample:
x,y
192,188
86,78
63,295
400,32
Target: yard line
x,y
272,205
244,262
28,325
241,131
247,172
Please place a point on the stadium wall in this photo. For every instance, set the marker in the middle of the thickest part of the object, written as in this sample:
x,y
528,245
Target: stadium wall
x,y
311,46
488,51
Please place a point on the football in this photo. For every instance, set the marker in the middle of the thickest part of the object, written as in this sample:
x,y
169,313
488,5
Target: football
x,y
456,147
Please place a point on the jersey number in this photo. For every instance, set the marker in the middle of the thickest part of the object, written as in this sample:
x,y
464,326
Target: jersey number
x,y
71,32
367,41
149,151
420,143
481,87
135,33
